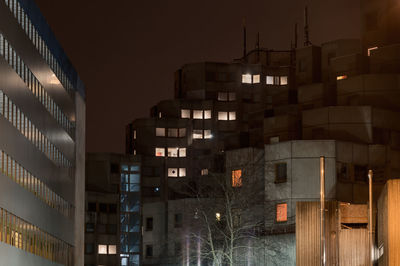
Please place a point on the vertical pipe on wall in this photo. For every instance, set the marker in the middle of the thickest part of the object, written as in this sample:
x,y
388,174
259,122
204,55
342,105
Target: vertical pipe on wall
x,y
322,210
370,226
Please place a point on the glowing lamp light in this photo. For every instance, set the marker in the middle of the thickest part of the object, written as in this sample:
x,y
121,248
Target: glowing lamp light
x,y
218,216
341,77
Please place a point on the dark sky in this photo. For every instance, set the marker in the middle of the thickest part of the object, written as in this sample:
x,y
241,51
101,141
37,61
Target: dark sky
x,y
126,51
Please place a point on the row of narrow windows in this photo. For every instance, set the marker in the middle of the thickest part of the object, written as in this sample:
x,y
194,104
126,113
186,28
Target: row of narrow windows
x,y
171,152
199,114
19,120
9,167
15,61
269,80
16,232
39,44
170,132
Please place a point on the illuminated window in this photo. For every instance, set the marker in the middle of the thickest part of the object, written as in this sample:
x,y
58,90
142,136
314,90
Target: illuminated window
x,y
281,212
197,114
236,178
207,134
173,152
341,77
102,249
207,114
256,78
134,134
284,80
160,152
185,113
112,249
182,132
134,152
222,96
182,152
270,80
232,116
280,172
173,132
160,132
204,171
222,115
197,134
371,49
218,216
159,115
246,78
172,172
182,172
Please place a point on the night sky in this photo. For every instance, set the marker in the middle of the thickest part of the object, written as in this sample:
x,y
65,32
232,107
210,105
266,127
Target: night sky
x,y
126,51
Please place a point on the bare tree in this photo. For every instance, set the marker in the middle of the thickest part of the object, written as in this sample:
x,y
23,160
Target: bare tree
x,y
224,219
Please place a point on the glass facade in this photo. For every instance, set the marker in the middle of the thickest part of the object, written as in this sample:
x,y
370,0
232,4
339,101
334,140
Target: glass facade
x,y
130,215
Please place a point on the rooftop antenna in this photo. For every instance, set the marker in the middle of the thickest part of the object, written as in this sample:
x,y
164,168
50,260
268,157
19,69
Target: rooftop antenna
x,y
295,36
244,38
258,46
306,33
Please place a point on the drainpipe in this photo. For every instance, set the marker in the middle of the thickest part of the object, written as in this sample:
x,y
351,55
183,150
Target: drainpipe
x,y
322,205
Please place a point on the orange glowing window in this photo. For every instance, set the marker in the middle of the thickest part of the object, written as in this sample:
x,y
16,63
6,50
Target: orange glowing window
x,y
341,77
281,212
236,178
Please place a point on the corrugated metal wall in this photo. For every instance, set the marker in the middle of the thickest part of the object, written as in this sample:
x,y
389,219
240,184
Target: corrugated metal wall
x,y
308,233
353,247
345,247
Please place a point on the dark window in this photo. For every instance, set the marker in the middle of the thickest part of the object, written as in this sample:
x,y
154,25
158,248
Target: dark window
x,y
178,249
280,172
360,173
178,220
90,227
92,207
114,168
103,207
342,171
112,208
149,224
101,228
89,248
111,229
149,251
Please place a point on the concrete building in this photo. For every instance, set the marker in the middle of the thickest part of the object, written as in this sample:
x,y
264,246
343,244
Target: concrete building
x,y
113,224
339,100
42,143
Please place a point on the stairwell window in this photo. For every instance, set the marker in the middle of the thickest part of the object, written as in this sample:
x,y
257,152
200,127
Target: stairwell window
x,y
237,178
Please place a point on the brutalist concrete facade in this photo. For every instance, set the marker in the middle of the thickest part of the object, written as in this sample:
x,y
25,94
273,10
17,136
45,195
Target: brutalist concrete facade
x,y
339,100
42,143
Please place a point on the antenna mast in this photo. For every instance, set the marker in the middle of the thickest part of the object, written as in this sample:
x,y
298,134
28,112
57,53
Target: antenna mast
x,y
306,33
